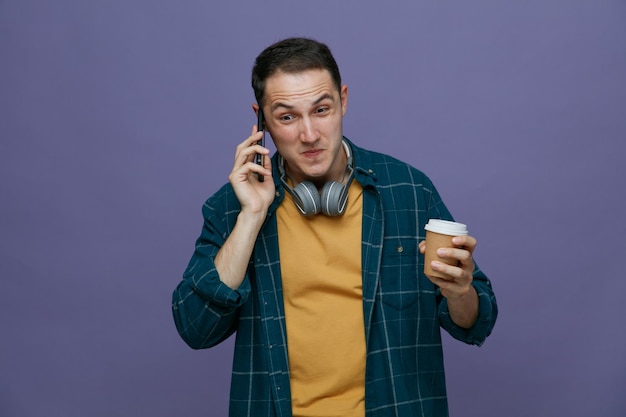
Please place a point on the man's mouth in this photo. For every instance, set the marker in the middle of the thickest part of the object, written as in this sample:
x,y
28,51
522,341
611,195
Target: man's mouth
x,y
312,152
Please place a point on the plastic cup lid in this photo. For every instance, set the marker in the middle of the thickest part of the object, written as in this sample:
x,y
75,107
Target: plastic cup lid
x,y
446,227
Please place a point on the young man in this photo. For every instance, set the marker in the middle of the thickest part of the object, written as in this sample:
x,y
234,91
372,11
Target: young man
x,y
333,313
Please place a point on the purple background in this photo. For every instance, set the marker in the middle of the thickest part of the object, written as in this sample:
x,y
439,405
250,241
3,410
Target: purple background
x,y
118,118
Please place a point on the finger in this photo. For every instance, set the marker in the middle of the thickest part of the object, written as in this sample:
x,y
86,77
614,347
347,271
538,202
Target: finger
x,y
450,272
267,161
467,242
422,246
462,269
253,138
248,172
454,280
245,150
460,254
464,261
256,169
448,286
256,128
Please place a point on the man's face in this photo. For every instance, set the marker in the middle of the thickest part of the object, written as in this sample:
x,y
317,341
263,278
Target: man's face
x,y
304,113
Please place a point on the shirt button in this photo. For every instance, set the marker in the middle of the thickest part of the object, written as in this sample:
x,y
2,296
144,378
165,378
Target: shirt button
x,y
400,249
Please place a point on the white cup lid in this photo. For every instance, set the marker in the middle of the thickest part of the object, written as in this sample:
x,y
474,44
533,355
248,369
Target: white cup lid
x,y
446,227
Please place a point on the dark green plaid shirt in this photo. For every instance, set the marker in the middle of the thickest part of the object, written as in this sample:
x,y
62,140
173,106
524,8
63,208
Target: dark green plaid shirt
x,y
403,310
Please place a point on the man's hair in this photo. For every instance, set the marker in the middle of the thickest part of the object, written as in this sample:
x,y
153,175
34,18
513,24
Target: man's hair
x,y
291,56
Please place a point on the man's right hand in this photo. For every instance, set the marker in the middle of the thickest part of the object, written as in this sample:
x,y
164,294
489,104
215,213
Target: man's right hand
x,y
253,195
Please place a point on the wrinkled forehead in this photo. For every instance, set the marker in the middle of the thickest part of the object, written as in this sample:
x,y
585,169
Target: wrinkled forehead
x,y
311,86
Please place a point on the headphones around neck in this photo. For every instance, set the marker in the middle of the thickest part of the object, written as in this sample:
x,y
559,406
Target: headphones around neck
x,y
333,198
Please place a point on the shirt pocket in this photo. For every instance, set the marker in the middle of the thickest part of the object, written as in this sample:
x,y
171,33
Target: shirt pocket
x,y
399,274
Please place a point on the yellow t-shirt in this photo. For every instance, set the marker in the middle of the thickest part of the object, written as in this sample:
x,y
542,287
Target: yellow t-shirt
x,y
320,260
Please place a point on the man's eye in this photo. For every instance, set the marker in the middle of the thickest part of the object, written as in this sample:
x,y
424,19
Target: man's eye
x,y
321,110
286,117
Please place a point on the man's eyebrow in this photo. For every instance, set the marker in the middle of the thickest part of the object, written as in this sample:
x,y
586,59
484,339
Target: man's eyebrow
x,y
281,105
325,96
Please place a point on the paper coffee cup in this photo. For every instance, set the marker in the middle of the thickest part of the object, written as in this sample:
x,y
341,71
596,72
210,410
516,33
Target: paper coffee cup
x,y
439,234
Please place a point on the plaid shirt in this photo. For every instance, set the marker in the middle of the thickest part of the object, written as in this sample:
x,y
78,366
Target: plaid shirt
x,y
403,310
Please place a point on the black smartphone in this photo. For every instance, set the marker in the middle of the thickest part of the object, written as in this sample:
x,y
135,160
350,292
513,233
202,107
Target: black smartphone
x,y
258,158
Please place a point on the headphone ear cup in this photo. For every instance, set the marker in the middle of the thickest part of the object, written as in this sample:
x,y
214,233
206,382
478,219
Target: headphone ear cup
x,y
333,198
308,199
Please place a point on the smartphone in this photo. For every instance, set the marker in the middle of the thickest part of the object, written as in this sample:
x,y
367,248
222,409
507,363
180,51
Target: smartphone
x,y
258,158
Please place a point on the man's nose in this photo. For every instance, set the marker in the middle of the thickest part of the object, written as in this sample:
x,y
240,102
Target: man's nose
x,y
308,130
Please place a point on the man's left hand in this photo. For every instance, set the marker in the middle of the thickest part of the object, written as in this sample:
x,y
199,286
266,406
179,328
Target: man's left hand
x,y
458,279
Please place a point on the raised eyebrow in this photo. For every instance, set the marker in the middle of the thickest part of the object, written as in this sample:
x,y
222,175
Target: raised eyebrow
x,y
281,105
323,97
286,106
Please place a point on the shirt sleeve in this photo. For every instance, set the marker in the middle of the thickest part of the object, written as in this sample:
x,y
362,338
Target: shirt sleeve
x,y
205,310
487,313
487,307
